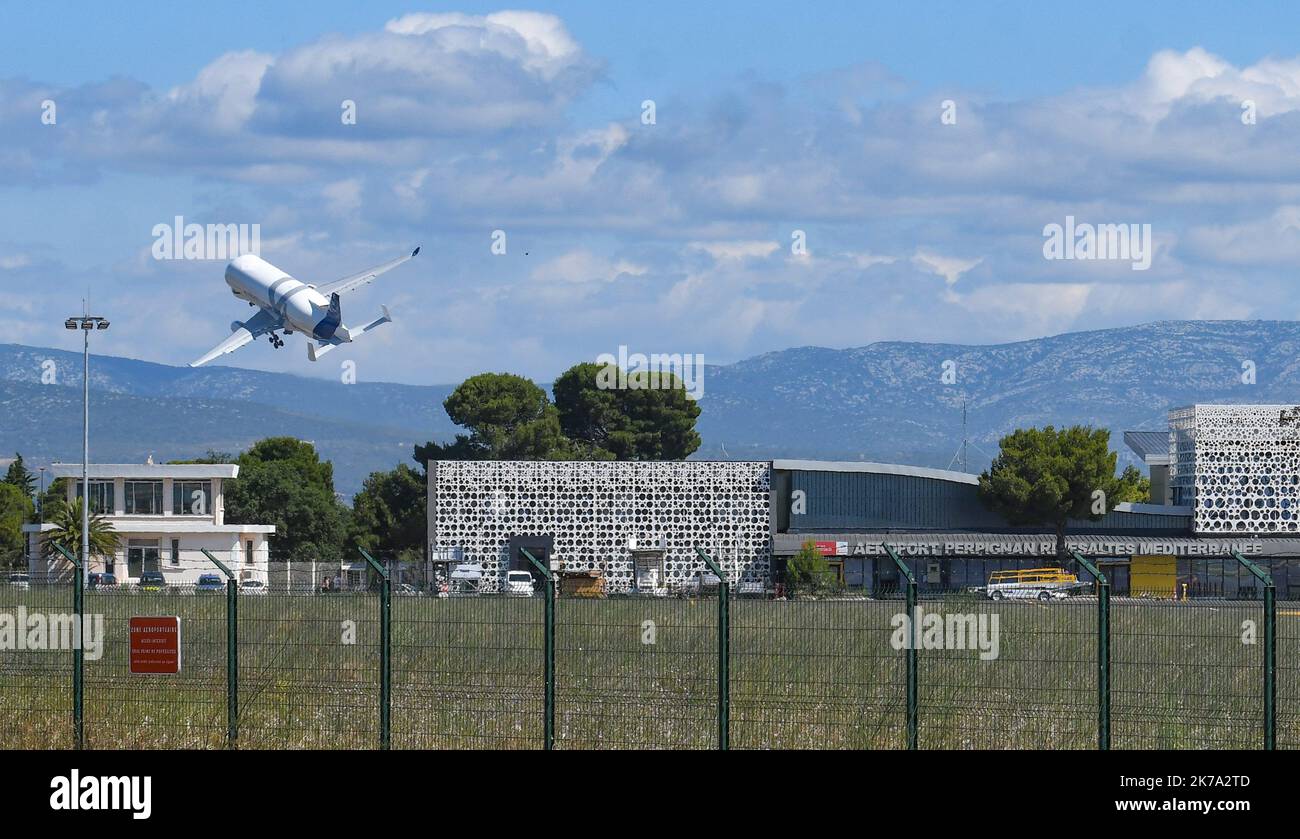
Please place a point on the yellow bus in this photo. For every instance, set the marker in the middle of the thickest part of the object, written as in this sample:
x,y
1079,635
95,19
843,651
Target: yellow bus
x,y
1041,583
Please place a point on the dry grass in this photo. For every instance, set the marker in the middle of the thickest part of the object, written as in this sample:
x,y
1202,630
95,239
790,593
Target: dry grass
x,y
467,673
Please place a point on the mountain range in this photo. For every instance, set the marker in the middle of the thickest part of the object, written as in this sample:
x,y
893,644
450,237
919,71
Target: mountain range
x,y
892,401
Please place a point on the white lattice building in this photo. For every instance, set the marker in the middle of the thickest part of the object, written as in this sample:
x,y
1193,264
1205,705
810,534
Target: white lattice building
x,y
1238,466
593,514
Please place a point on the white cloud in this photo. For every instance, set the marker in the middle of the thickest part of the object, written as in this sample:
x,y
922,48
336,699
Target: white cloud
x,y
949,267
582,267
1271,240
735,250
226,89
547,47
343,197
867,259
465,125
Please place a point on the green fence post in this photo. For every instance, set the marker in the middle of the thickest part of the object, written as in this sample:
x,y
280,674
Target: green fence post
x,y
1270,650
724,652
548,653
1103,651
385,652
913,710
232,651
78,655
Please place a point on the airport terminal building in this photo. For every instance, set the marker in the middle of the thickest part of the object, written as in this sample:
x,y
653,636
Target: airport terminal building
x,y
1226,478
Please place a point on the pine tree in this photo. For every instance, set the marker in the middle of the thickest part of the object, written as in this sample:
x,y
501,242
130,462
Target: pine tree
x,y
20,476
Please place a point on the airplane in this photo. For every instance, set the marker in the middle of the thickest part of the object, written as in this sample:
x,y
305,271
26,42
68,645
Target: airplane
x,y
287,305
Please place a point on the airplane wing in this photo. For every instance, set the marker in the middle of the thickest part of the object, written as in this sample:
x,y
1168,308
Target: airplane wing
x,y
259,324
347,284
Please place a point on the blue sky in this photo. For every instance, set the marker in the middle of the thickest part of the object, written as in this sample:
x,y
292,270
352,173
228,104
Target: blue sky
x,y
672,237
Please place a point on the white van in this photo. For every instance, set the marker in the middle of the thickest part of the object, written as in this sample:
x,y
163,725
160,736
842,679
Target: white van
x,y
519,584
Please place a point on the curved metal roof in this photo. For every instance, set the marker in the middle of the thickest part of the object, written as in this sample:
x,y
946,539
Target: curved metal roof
x,y
876,468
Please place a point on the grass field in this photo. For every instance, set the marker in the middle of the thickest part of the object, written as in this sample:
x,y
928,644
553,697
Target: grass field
x,y
467,673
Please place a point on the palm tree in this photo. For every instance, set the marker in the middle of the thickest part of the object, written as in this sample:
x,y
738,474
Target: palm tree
x,y
66,519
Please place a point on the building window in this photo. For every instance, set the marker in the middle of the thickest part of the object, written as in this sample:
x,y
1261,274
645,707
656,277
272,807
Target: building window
x,y
101,497
176,552
192,498
248,552
141,556
144,498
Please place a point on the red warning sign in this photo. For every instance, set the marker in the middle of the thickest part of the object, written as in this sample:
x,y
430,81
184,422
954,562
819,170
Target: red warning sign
x,y
155,645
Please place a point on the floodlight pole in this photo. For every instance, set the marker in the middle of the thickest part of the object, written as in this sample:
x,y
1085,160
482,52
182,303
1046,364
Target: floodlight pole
x,y
85,323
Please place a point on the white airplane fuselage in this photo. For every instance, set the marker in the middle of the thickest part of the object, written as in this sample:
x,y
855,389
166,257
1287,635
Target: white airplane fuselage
x,y
303,308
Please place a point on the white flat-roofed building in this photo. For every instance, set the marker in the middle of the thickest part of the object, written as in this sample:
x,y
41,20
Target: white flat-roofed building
x,y
164,515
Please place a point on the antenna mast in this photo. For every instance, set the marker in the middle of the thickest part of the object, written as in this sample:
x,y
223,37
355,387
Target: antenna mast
x,y
965,461
962,455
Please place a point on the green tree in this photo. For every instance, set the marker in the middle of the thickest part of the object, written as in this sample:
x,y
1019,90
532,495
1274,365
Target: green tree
x,y
808,571
1046,476
19,476
508,418
388,514
66,519
212,456
15,508
628,423
282,481
1133,486
55,494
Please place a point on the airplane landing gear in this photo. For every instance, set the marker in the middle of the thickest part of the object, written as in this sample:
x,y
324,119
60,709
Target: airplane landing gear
x,y
276,341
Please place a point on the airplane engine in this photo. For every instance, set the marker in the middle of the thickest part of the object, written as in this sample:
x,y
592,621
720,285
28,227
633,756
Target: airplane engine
x,y
236,325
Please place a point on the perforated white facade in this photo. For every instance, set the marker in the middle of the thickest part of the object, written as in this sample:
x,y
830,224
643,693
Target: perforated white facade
x,y
597,512
1238,466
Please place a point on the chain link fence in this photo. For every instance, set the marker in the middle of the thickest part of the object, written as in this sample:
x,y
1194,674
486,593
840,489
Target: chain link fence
x,y
309,668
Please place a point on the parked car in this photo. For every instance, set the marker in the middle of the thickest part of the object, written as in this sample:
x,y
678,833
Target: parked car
x,y
210,582
102,579
408,590
20,580
151,581
704,582
519,584
252,587
750,588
